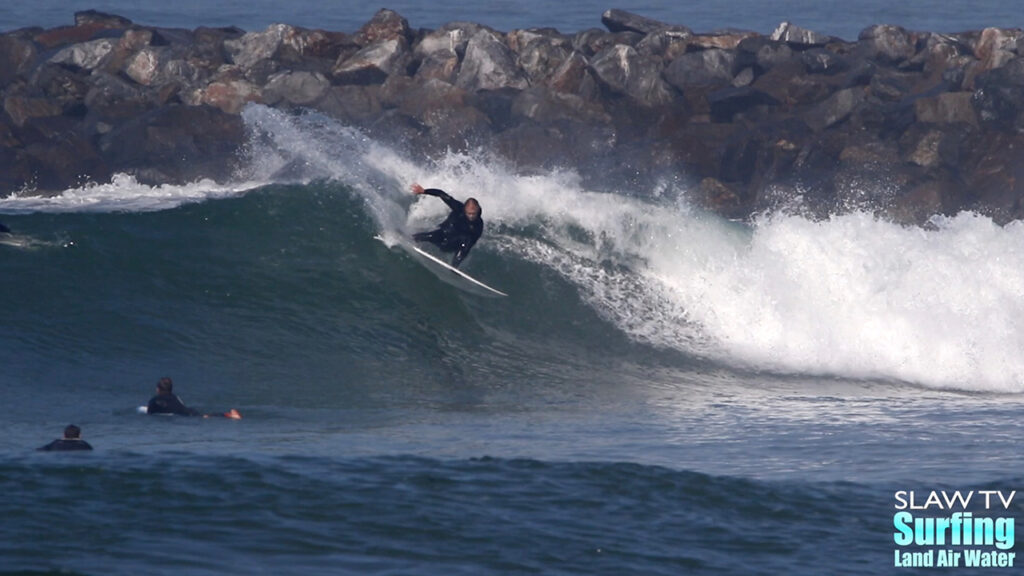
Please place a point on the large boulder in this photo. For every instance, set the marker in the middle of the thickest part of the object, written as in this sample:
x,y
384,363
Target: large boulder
x,y
621,70
295,88
998,97
17,58
374,63
385,25
834,109
888,44
85,55
622,21
539,52
799,37
573,76
707,68
489,65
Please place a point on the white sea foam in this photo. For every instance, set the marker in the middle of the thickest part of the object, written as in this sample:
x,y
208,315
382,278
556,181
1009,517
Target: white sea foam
x,y
852,296
122,194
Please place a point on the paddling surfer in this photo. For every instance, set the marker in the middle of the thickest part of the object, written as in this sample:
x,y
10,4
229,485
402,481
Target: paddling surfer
x,y
72,440
459,231
167,402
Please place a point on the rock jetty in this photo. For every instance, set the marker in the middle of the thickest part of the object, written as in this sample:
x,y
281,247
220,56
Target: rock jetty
x,y
908,124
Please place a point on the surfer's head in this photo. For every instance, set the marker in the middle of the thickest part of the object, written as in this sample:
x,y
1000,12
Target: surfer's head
x,y
164,385
472,209
72,432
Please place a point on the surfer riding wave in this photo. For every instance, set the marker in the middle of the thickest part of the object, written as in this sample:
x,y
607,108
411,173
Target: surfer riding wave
x,y
459,231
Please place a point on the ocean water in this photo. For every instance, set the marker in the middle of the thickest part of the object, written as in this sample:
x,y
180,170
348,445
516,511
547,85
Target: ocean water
x,y
842,19
663,391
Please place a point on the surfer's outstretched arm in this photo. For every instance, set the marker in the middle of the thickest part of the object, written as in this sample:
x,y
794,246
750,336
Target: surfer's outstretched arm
x,y
451,202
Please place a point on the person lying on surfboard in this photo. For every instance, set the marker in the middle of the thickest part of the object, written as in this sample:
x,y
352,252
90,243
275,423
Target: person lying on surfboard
x,y
459,231
72,440
166,402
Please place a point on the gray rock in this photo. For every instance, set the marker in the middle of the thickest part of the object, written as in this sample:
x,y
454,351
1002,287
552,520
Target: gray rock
x,y
834,109
726,40
590,42
622,21
539,53
176,144
888,44
113,98
359,105
17,58
297,88
623,71
253,47
998,97
947,108
929,146
65,84
995,177
385,25
452,37
547,107
822,61
762,53
373,63
727,102
22,108
439,65
799,37
574,77
707,68
996,47
93,17
489,65
666,45
85,55
229,92
144,66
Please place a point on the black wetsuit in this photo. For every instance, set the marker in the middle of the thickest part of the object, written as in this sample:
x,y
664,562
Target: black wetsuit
x,y
457,233
169,404
4,229
66,445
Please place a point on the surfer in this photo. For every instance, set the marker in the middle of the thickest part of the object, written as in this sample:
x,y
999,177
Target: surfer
x,y
459,231
4,229
71,441
166,402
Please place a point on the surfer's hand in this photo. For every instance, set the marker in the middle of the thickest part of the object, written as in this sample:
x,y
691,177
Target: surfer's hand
x,y
416,189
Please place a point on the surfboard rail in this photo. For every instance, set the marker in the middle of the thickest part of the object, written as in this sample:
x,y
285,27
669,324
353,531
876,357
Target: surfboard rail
x,y
446,272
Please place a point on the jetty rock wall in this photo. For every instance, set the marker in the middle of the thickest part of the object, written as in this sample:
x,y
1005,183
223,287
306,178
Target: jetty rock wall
x,y
907,124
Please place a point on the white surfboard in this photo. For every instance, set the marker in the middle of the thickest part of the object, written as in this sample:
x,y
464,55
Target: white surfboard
x,y
449,273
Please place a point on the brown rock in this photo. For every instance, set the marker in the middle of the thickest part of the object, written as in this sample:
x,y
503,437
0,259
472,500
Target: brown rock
x,y
947,108
385,25
21,108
